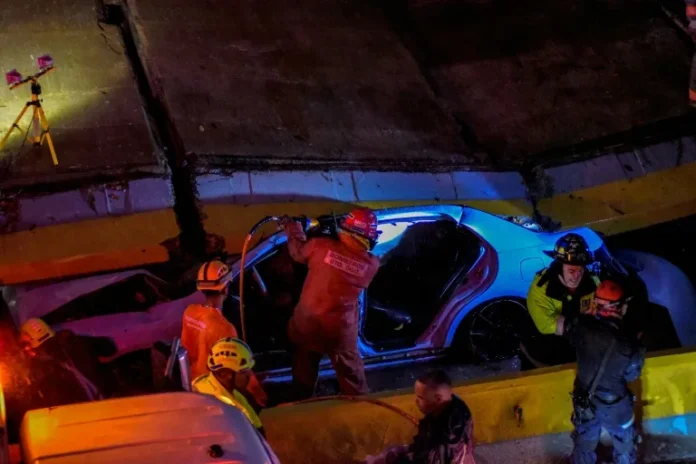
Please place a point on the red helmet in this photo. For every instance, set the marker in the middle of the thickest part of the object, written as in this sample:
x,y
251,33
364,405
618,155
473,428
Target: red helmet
x,y
609,300
362,222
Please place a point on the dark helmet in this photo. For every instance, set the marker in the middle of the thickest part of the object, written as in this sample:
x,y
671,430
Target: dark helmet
x,y
571,249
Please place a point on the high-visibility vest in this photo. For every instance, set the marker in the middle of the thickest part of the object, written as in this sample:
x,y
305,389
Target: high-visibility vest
x,y
209,385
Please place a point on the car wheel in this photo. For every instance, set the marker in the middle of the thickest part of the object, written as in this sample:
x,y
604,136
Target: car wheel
x,y
492,332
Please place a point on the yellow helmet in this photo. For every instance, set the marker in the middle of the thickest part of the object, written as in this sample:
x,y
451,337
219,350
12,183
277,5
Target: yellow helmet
x,y
230,353
214,276
35,331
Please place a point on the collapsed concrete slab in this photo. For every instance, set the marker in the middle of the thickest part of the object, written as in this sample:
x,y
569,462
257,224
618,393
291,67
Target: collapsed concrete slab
x,y
91,100
533,79
314,84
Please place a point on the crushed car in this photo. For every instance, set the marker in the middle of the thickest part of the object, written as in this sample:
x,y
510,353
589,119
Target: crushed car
x,y
453,280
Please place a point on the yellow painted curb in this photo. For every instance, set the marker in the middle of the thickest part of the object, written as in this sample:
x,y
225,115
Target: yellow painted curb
x,y
86,246
504,408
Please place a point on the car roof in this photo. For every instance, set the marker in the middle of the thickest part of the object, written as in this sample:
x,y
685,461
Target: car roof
x,y
502,234
169,427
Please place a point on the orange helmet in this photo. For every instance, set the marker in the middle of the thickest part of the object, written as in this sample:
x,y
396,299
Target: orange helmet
x,y
34,332
213,276
609,300
362,222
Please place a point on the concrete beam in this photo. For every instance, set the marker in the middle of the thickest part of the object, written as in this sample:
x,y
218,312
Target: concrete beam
x,y
315,84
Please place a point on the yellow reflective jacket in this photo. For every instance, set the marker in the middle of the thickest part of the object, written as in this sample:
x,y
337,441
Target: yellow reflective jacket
x,y
209,385
548,299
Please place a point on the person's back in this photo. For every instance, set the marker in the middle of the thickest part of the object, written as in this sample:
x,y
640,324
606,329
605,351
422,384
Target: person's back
x,y
209,385
609,357
328,302
325,320
592,340
229,373
203,326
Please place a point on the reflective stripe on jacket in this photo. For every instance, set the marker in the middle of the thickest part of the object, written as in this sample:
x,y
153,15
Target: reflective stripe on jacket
x,y
209,385
202,327
551,299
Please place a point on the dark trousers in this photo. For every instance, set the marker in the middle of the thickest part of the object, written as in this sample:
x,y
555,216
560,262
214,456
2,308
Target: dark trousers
x,y
613,419
350,371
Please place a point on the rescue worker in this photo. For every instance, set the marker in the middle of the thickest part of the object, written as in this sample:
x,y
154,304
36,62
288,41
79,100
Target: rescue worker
x,y
230,365
326,319
563,290
608,359
64,367
445,434
203,325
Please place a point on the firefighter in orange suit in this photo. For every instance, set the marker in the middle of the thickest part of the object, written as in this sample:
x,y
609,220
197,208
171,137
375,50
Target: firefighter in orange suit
x,y
204,325
325,320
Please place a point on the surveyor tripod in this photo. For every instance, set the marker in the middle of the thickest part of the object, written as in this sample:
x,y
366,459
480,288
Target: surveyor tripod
x,y
39,121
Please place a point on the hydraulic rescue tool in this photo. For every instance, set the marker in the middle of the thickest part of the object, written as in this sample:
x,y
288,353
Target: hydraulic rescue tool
x,y
307,225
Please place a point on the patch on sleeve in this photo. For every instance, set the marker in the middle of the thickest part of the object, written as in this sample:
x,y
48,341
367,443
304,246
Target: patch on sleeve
x,y
345,264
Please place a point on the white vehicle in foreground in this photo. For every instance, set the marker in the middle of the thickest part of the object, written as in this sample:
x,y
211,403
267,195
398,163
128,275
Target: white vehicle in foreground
x,y
172,428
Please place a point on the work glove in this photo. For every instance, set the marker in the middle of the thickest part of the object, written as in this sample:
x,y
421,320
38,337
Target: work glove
x,y
285,221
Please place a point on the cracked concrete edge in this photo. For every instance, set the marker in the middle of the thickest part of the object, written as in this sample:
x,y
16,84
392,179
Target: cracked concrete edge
x,y
112,226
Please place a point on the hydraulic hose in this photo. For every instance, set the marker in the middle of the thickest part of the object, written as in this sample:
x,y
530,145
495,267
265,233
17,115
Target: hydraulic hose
x,y
247,241
356,399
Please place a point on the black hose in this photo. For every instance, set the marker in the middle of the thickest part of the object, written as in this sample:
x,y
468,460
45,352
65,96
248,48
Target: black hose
x,y
249,236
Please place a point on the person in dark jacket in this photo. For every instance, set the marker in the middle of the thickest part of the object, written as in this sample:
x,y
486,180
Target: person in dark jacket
x,y
445,434
64,366
601,397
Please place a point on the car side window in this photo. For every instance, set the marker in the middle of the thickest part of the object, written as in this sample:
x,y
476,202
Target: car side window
x,y
418,259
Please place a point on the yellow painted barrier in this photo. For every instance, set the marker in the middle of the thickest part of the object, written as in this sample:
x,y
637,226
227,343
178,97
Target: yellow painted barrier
x,y
504,408
626,205
133,240
86,247
610,208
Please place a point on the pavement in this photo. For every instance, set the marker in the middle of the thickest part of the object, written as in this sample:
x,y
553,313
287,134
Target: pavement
x,y
658,445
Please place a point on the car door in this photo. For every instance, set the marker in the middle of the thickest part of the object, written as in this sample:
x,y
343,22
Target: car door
x,y
419,249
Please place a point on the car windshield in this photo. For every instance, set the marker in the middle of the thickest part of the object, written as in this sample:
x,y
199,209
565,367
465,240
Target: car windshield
x,y
136,293
606,264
